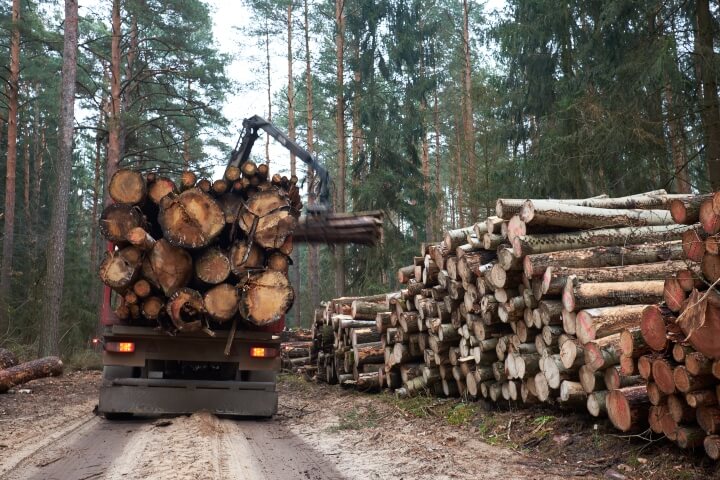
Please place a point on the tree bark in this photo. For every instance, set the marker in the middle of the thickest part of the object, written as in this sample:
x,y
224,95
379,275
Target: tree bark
x,y
553,242
468,128
595,323
587,295
49,330
540,212
604,256
114,122
340,136
10,169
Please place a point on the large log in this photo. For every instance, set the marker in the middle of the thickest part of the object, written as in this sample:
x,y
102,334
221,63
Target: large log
x,y
546,212
191,220
186,309
212,266
603,256
587,295
361,310
368,353
120,268
555,278
507,207
127,186
118,219
159,188
32,370
552,242
221,302
363,228
246,258
265,297
687,210
170,267
595,323
628,408
700,323
267,218
654,326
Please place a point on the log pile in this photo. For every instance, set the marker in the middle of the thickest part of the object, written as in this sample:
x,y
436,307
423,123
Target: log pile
x,y
679,340
544,302
196,255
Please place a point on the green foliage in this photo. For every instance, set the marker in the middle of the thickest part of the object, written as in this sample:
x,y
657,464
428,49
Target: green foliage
x,y
461,414
358,418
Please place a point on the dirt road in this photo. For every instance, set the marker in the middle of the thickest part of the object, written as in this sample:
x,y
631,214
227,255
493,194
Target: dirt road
x,y
48,431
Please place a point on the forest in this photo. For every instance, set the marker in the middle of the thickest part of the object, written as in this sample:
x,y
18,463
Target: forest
x,y
426,110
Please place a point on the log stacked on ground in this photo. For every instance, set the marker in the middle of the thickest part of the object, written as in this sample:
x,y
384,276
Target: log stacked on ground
x,y
554,311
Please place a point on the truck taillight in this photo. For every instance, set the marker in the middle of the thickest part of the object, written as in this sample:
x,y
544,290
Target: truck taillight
x,y
263,352
120,347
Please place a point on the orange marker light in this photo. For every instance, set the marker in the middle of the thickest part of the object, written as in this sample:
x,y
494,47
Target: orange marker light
x,y
263,352
258,352
120,347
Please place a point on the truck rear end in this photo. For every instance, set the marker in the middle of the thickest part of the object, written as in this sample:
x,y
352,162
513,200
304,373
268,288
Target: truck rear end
x,y
148,372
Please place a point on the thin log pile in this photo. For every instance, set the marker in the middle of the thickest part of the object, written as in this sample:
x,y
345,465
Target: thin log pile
x,y
196,255
542,302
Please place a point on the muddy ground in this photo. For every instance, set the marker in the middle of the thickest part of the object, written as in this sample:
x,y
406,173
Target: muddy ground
x,y
48,430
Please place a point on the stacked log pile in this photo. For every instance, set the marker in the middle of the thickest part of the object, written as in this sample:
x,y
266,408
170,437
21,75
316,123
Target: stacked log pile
x,y
680,342
196,255
544,302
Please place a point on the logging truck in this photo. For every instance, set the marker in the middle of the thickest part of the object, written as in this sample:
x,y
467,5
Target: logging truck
x,y
195,364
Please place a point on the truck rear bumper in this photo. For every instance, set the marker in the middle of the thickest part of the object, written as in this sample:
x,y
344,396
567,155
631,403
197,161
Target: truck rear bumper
x,y
155,397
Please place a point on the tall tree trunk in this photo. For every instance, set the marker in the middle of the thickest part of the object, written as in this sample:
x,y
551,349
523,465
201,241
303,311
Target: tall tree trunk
x,y
269,89
357,133
459,200
49,328
186,134
440,209
37,171
26,177
340,131
97,195
425,149
297,310
9,233
114,114
676,136
710,112
313,264
468,129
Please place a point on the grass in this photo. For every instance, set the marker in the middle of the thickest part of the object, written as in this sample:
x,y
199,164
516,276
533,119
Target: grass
x,y
419,406
357,419
83,360
461,414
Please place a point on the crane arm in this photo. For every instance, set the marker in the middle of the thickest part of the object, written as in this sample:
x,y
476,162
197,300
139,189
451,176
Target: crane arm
x,y
241,155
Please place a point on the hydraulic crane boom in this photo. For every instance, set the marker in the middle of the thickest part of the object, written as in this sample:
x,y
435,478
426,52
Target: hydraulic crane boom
x,y
241,155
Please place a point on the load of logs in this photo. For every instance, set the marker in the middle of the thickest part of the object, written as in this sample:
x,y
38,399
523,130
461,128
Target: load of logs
x,y
13,373
547,301
196,255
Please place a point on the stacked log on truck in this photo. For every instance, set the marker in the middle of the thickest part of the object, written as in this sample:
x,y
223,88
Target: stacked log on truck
x,y
544,302
199,255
